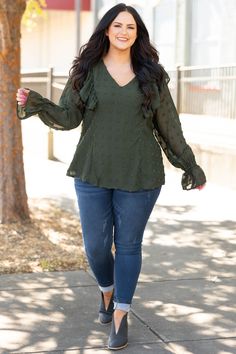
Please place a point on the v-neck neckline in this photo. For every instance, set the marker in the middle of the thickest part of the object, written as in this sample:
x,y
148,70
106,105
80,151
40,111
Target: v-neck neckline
x,y
112,78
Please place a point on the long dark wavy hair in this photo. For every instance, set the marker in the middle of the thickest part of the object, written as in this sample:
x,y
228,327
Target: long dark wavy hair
x,y
144,56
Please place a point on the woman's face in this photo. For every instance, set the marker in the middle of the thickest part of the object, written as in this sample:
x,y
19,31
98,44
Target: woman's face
x,y
122,32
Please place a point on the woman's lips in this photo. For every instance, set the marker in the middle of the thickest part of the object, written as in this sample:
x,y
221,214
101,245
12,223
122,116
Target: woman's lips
x,y
122,39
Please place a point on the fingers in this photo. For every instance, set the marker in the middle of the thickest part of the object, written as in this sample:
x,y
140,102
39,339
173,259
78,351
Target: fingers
x,y
201,187
21,96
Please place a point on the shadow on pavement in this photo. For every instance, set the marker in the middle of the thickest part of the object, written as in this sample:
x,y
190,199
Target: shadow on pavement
x,y
184,302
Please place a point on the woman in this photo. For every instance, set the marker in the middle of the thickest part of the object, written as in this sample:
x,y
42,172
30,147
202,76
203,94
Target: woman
x,y
118,90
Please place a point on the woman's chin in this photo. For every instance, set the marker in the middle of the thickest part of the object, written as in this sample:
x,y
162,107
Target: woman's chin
x,y
122,46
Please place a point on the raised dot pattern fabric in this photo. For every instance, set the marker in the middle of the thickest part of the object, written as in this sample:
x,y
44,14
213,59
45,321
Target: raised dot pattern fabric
x,y
117,147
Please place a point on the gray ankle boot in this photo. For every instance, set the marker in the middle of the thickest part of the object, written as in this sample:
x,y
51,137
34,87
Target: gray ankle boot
x,y
119,340
105,316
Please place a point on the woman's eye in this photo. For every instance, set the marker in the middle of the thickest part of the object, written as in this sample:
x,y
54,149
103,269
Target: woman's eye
x,y
132,28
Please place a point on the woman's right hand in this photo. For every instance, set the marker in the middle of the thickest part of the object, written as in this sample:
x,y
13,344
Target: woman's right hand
x,y
21,96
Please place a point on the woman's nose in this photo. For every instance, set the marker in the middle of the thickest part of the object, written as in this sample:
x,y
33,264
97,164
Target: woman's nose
x,y
124,30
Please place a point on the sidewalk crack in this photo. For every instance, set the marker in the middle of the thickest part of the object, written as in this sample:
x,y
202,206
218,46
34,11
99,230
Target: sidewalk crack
x,y
162,338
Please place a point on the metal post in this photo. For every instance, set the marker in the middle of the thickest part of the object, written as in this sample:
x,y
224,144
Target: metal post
x,y
183,32
50,145
50,131
188,32
78,10
49,83
95,8
178,88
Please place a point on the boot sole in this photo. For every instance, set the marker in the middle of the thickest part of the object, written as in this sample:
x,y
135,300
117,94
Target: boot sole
x,y
117,348
104,323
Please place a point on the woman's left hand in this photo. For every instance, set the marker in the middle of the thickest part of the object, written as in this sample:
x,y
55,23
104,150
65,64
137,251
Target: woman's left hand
x,y
200,187
22,96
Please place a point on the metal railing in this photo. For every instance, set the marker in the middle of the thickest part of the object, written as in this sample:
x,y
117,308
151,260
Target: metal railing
x,y
45,81
202,90
205,90
49,85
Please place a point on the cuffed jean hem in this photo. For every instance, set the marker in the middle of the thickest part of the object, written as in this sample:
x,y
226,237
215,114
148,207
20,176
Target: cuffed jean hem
x,y
122,306
106,288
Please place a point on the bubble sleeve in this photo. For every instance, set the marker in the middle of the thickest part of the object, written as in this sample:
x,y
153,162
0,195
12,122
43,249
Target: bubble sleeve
x,y
168,132
64,116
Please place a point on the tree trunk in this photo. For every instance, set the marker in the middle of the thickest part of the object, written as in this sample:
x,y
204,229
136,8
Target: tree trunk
x,y
13,197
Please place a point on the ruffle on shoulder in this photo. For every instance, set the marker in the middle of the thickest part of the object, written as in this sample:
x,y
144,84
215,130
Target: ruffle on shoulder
x,y
88,94
166,78
149,111
155,102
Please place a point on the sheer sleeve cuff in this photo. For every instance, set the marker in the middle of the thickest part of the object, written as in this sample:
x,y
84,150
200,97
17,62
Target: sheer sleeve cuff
x,y
193,175
33,105
187,159
193,178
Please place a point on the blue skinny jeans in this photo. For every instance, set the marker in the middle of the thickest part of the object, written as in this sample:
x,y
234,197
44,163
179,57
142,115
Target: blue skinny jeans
x,y
108,215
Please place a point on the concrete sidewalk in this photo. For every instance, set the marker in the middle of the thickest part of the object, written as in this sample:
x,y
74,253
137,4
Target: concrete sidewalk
x,y
185,301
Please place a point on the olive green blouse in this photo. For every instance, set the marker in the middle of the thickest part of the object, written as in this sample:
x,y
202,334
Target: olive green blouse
x,y
119,146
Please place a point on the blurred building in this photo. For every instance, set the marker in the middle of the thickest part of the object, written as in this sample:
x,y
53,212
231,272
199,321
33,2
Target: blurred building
x,y
53,41
185,32
188,32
